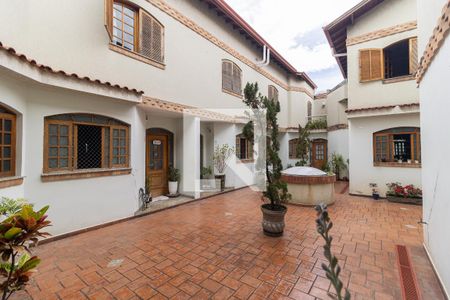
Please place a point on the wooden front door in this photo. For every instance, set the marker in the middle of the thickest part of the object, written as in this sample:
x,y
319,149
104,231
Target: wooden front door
x,y
319,153
157,158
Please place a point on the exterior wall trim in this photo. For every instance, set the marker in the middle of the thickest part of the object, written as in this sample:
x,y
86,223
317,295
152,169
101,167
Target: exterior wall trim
x,y
337,127
10,181
175,14
349,111
440,33
382,33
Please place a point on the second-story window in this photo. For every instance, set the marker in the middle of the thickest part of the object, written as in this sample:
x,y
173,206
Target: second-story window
x,y
231,78
124,26
133,29
396,60
273,93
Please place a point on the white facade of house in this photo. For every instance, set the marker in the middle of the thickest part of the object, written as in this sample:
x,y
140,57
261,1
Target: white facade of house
x,y
196,41
381,104
434,95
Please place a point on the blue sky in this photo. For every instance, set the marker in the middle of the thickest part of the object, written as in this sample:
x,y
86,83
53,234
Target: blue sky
x,y
294,29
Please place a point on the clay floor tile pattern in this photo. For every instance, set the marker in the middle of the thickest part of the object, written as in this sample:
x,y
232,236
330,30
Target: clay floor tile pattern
x,y
214,249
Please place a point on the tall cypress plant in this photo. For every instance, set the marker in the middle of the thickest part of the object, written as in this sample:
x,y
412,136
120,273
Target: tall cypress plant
x,y
276,189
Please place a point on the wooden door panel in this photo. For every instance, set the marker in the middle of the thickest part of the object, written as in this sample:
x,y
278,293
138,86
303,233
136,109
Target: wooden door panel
x,y
319,154
157,164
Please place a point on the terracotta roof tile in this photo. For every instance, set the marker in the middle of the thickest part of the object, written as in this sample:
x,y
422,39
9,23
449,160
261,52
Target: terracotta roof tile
x,y
45,68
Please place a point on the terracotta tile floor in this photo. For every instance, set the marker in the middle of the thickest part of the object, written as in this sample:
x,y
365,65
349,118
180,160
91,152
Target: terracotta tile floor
x,y
214,248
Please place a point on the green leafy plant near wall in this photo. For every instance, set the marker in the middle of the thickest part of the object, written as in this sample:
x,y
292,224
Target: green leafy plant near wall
x,y
338,164
303,145
18,234
9,206
173,174
317,124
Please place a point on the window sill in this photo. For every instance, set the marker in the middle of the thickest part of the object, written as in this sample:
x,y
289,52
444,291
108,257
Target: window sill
x,y
232,94
10,181
397,165
398,79
136,56
81,174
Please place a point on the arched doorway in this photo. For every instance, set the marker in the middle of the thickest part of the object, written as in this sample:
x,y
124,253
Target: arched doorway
x,y
159,157
319,153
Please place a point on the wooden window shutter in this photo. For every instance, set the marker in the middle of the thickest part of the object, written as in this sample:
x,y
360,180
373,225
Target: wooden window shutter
x,y
371,65
249,149
151,37
108,17
236,79
227,76
413,56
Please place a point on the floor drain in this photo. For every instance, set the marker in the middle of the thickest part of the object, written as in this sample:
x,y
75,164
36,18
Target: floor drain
x,y
408,281
115,263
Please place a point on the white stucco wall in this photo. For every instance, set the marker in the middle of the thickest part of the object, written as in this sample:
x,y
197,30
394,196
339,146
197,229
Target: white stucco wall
x,y
193,64
435,110
362,171
336,105
74,204
338,143
378,93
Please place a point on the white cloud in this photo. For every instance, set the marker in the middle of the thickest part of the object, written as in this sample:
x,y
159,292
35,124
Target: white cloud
x,y
283,23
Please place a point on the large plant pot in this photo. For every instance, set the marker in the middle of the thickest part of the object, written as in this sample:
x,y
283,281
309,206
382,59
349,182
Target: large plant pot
x,y
406,200
273,219
173,187
221,177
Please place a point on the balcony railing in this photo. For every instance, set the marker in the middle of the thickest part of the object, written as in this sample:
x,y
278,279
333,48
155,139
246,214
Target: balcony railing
x,y
316,122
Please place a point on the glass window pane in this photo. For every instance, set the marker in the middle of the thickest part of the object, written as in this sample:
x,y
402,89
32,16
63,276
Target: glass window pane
x,y
53,152
128,29
64,130
123,151
7,152
128,12
122,142
64,152
117,14
122,133
128,38
1,124
122,160
115,151
115,132
63,163
6,166
129,46
53,141
115,160
115,142
7,139
64,141
52,163
129,20
117,41
7,125
117,32
117,23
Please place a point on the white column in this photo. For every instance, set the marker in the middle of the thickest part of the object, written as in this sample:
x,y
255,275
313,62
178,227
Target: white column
x,y
191,156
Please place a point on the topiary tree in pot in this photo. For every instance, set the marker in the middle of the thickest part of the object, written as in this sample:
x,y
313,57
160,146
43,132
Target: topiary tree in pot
x,y
276,190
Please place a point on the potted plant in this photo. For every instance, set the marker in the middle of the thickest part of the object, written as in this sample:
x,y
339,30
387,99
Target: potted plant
x,y
403,194
205,172
276,190
375,193
338,164
174,177
221,154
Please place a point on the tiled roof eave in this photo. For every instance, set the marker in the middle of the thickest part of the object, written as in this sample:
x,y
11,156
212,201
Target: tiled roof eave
x,y
44,68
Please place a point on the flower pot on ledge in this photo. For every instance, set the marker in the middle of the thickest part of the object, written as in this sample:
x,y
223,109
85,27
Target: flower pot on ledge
x,y
221,177
406,200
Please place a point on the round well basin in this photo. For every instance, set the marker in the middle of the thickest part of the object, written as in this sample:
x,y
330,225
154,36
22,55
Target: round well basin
x,y
309,186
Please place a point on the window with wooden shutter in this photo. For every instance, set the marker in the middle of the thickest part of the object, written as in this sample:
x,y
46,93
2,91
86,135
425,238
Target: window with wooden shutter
x,y
273,93
7,143
397,145
231,78
371,64
244,148
84,141
413,56
151,37
293,148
